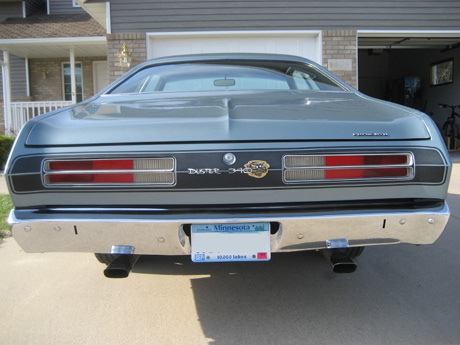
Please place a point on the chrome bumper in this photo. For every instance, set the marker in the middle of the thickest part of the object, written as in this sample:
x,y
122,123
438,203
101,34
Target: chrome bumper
x,y
73,231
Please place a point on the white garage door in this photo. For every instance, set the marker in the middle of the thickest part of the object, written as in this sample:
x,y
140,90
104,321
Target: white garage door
x,y
304,44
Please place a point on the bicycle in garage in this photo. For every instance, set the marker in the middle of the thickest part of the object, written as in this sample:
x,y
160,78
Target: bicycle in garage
x,y
450,129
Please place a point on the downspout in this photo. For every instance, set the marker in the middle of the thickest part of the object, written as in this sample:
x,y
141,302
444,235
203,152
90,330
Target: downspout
x,y
72,76
6,90
108,19
26,62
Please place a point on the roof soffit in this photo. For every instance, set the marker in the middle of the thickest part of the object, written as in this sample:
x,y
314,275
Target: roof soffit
x,y
95,9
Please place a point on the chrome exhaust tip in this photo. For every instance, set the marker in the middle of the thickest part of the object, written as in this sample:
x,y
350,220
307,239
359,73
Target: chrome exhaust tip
x,y
121,266
339,262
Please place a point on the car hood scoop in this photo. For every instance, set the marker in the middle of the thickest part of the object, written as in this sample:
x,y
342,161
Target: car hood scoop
x,y
227,116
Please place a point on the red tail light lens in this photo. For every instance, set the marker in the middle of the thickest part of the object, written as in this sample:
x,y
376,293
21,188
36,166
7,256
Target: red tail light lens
x,y
365,160
70,165
90,178
110,171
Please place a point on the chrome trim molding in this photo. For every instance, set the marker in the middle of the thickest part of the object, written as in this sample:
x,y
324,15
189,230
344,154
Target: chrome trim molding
x,y
164,235
125,250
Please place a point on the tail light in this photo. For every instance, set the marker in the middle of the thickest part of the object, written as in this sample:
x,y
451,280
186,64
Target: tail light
x,y
156,171
305,168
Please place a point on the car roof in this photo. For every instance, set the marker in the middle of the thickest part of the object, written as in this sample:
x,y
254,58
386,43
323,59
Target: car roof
x,y
226,56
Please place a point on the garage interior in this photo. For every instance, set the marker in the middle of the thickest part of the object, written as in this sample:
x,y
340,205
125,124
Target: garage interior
x,y
399,68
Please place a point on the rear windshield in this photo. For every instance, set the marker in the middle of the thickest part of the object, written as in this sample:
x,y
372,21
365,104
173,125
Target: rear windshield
x,y
217,76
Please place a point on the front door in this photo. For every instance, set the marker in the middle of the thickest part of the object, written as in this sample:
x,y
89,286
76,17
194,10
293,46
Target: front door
x,y
100,75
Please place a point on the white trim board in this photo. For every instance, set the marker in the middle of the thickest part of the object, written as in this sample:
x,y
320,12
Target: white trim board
x,y
74,40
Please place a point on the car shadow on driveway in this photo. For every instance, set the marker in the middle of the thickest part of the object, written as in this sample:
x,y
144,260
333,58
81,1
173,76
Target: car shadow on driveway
x,y
455,156
400,294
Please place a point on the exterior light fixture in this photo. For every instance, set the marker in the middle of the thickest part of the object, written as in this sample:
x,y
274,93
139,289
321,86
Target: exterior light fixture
x,y
45,73
125,56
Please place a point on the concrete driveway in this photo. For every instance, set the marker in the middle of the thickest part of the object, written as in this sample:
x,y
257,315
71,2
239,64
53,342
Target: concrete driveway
x,y
399,295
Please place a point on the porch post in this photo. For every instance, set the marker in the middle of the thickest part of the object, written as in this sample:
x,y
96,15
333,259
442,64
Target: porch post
x,y
72,76
6,90
26,62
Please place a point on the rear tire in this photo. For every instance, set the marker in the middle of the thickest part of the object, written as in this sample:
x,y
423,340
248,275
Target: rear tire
x,y
353,252
105,258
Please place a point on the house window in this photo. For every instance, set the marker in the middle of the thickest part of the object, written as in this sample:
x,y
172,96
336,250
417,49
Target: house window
x,y
75,4
67,84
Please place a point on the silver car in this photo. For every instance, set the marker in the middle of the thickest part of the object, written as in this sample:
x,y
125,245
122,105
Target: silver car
x,y
227,157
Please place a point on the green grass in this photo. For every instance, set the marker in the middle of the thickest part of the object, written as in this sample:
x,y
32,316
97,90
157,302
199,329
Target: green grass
x,y
5,206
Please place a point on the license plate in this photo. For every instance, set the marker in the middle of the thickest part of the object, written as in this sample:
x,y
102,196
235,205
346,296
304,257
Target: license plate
x,y
231,242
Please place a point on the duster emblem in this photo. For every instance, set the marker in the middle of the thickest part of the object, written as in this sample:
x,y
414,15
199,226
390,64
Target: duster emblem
x,y
258,169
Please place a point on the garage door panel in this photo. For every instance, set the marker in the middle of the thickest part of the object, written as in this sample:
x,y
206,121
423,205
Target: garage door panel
x,y
299,45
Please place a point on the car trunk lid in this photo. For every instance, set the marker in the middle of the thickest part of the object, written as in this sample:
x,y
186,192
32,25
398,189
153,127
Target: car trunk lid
x,y
228,117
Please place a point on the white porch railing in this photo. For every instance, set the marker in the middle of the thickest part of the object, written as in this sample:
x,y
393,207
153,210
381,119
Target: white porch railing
x,y
21,112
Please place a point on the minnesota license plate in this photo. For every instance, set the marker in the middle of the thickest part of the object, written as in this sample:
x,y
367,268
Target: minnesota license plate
x,y
231,242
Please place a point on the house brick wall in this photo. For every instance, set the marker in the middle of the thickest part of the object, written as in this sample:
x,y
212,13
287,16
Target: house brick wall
x,y
136,43
341,45
50,89
45,89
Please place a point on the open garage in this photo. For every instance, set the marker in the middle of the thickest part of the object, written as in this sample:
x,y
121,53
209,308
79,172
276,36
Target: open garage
x,y
417,69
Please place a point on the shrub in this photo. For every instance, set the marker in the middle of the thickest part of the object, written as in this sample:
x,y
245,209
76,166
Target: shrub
x,y
5,146
5,206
